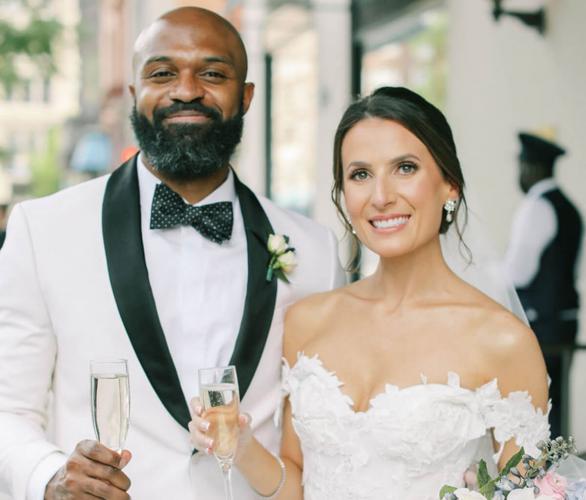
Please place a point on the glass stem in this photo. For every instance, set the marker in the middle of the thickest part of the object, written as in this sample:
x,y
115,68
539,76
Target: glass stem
x,y
227,475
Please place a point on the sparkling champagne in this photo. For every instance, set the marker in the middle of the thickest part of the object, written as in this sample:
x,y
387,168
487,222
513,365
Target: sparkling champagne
x,y
221,411
110,408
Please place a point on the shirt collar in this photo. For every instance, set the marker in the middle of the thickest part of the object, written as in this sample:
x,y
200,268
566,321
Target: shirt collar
x,y
541,187
147,182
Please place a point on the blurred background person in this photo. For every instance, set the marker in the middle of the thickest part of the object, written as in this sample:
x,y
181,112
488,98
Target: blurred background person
x,y
543,257
3,218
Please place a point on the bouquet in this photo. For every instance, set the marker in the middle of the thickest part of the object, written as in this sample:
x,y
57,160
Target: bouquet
x,y
555,475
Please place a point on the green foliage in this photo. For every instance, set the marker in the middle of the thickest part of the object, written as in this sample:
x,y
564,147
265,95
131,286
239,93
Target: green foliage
x,y
482,475
446,490
511,477
36,41
488,489
46,173
435,35
513,462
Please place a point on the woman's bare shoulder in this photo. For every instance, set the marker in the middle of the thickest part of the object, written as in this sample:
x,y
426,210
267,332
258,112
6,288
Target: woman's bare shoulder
x,y
499,329
509,347
316,307
505,347
313,315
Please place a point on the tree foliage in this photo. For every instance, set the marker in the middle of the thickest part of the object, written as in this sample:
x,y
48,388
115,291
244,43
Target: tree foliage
x,y
35,41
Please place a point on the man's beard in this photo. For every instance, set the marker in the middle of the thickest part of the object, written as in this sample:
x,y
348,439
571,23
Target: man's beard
x,y
187,151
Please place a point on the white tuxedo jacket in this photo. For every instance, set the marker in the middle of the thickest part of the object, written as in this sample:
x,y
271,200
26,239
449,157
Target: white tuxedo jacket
x,y
74,286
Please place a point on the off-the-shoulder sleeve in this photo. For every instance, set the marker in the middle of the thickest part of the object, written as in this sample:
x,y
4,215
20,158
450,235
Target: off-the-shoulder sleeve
x,y
516,417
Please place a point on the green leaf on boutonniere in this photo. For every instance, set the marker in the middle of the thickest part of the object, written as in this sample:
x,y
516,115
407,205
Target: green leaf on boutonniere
x,y
281,275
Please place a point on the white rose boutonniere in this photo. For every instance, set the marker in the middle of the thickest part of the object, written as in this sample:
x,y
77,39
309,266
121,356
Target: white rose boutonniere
x,y
283,259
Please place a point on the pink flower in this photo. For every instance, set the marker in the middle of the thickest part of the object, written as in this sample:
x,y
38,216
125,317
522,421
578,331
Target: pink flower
x,y
553,485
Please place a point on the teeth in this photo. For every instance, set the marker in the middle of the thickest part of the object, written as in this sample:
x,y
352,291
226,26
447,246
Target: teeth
x,y
385,224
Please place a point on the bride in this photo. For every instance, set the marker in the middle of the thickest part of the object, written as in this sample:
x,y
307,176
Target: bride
x,y
394,383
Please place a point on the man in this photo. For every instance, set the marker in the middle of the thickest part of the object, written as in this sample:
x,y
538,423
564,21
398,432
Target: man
x,y
543,257
107,270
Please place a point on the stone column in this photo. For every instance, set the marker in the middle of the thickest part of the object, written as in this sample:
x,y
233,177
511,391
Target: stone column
x,y
251,161
332,21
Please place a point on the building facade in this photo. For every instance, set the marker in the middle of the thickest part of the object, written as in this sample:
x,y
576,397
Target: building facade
x,y
33,112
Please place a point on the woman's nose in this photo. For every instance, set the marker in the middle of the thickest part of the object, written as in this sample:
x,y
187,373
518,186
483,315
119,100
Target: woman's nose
x,y
384,193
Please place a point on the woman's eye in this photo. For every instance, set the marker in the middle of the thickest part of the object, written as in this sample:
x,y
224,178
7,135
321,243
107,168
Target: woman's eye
x,y
359,175
407,168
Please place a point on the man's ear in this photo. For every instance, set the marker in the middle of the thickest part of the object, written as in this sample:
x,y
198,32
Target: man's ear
x,y
132,91
247,95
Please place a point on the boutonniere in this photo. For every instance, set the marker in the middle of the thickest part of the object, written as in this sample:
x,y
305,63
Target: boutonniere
x,y
283,260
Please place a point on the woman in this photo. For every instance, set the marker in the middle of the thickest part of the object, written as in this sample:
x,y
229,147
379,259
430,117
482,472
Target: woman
x,y
395,381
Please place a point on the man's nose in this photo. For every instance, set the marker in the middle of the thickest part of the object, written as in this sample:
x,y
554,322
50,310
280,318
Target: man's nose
x,y
187,89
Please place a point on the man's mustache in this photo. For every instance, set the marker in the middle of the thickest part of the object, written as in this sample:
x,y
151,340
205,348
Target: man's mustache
x,y
160,114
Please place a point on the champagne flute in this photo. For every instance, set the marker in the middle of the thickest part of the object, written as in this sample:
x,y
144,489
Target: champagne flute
x,y
218,389
110,399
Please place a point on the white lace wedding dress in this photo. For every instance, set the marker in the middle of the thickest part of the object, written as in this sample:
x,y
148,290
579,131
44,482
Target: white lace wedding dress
x,y
409,443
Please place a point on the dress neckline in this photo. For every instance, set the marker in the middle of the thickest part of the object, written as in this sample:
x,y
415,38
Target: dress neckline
x,y
452,383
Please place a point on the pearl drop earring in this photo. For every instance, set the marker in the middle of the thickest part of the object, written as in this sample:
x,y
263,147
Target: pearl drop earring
x,y
450,207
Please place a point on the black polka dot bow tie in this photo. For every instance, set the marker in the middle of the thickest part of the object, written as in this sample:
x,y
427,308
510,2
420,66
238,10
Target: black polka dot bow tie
x,y
213,221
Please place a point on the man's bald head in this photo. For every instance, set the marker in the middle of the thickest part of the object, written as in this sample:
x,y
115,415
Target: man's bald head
x,y
198,20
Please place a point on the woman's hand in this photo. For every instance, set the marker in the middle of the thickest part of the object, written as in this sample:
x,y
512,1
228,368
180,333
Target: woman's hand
x,y
200,429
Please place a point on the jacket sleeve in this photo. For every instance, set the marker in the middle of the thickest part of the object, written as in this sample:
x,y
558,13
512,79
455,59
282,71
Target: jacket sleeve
x,y
27,359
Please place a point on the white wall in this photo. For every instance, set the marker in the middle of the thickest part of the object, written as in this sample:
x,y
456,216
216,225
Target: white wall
x,y
503,77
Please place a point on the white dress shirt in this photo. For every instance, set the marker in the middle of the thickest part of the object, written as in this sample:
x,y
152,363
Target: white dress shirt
x,y
199,289
534,227
199,286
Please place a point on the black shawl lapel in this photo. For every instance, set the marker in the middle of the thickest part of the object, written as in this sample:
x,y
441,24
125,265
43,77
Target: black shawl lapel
x,y
261,295
121,228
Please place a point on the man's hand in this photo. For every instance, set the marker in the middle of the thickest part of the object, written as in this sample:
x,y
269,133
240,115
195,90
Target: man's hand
x,y
92,471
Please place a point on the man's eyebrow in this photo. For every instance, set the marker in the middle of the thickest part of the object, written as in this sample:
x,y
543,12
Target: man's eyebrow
x,y
155,59
208,59
219,59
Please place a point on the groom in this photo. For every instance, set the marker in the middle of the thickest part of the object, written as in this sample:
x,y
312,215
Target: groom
x,y
164,262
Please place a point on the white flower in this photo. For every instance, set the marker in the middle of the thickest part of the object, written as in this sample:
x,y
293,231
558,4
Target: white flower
x,y
466,494
277,244
282,260
523,494
287,261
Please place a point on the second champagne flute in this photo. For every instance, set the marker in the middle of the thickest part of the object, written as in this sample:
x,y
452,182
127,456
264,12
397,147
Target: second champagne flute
x,y
218,389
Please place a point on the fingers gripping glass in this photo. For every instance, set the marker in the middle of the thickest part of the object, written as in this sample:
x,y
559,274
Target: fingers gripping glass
x,y
218,389
110,400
